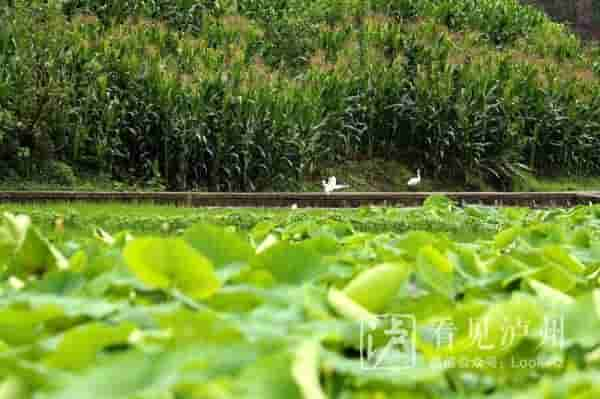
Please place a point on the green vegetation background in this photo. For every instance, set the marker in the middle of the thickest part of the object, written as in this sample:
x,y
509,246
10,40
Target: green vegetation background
x,y
260,95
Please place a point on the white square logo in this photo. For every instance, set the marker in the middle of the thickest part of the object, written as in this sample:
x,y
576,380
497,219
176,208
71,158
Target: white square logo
x,y
388,342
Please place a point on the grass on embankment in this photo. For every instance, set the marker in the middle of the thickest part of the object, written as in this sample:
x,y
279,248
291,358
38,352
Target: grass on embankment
x,y
361,176
379,175
559,183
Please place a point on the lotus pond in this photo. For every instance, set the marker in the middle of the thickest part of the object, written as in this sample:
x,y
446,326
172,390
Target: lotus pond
x,y
139,301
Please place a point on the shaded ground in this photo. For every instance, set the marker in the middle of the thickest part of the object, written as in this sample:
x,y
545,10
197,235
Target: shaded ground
x,y
582,15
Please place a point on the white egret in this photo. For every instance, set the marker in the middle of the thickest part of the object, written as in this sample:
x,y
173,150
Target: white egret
x,y
331,185
414,181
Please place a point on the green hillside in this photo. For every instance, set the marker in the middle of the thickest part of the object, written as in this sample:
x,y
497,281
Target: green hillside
x,y
261,94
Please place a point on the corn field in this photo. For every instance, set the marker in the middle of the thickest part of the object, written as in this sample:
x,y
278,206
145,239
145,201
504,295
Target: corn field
x,y
256,94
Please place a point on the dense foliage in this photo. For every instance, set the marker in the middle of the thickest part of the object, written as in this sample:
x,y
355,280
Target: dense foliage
x,y
248,94
83,218
275,310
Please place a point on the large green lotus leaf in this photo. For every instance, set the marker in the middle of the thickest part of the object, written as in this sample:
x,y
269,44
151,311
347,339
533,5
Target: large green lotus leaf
x,y
464,313
573,385
157,374
36,255
13,230
29,250
587,254
27,317
35,376
436,271
212,371
78,347
97,259
582,238
262,230
504,238
221,246
501,328
125,376
292,263
244,298
274,322
423,307
562,257
404,376
412,242
171,264
556,277
582,321
338,229
238,298
269,378
377,251
549,296
465,261
544,234
302,230
70,306
375,287
356,240
315,303
546,270
13,388
200,326
508,266
59,282
523,361
117,284
456,317
323,244
366,392
19,327
512,214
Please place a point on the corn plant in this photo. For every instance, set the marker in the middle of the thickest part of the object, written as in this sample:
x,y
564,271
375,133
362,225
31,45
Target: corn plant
x,y
252,95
